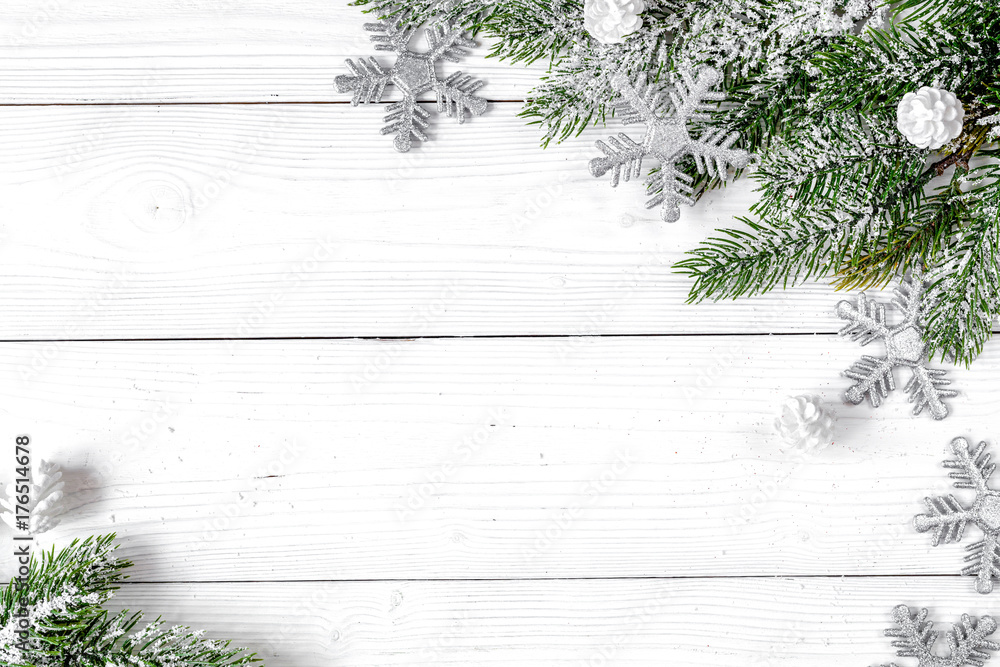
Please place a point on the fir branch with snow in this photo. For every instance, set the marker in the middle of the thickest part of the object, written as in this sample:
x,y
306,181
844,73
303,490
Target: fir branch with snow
x,y
814,89
67,625
846,196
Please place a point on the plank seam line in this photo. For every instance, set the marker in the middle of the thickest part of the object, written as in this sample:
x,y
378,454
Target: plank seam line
x,y
218,104
736,577
406,338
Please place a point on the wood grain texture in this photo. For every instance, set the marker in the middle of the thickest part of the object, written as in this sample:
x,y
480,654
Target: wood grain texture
x,y
178,170
821,622
479,458
222,51
235,222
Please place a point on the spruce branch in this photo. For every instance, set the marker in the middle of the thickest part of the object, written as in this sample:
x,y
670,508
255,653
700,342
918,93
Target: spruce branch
x,y
812,88
762,257
63,599
969,144
965,284
902,249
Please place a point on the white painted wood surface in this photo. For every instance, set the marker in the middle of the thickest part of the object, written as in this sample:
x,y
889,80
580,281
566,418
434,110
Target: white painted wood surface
x,y
718,622
589,478
193,221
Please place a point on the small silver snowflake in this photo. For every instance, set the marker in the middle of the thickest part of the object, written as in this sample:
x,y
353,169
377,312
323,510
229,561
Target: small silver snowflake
x,y
967,642
947,517
904,346
666,111
413,73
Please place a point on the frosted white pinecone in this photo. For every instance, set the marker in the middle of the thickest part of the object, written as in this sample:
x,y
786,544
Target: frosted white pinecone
x,y
804,424
930,117
45,500
610,21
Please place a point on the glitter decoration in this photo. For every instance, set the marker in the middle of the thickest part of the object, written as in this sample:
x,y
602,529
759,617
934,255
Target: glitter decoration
x,y
804,424
930,117
666,111
947,517
967,641
413,74
904,346
45,501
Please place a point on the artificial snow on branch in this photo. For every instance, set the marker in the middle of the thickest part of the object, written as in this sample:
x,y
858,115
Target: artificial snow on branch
x,y
829,95
68,625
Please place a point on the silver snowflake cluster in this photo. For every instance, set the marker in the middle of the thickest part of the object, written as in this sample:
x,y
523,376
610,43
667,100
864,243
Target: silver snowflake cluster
x,y
947,517
967,641
666,112
413,73
904,346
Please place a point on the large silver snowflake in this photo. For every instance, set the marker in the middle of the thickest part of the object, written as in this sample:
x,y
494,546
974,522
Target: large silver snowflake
x,y
413,73
904,346
666,111
967,642
948,518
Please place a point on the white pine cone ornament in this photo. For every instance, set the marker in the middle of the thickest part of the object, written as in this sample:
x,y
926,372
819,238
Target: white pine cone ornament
x,y
930,117
45,501
804,424
610,21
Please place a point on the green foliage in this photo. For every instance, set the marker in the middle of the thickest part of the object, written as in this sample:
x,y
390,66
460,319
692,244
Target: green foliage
x,y
812,88
64,597
965,286
843,197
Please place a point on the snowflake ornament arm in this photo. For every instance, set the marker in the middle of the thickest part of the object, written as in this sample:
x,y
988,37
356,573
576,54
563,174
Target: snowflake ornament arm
x,y
369,78
367,83
414,73
915,634
666,113
904,346
947,517
406,119
455,96
967,642
866,323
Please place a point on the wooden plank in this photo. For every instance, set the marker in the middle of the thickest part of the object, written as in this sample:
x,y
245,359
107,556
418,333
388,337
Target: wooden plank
x,y
717,623
161,222
484,458
113,51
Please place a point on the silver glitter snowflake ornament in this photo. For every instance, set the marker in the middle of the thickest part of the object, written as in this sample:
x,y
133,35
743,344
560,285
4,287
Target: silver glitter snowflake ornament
x,y
967,641
413,73
666,111
904,346
948,518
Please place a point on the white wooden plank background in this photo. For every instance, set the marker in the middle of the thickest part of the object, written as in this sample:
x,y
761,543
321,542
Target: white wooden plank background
x,y
226,51
466,458
159,222
713,622
589,478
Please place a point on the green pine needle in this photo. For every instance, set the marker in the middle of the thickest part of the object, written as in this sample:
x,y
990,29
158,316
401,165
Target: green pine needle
x,y
69,626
